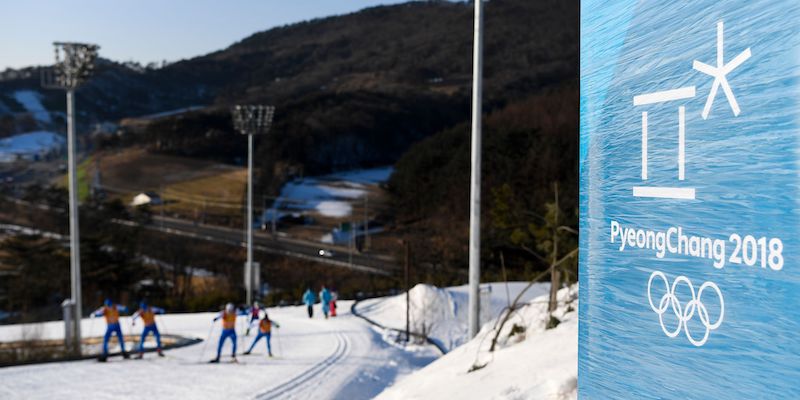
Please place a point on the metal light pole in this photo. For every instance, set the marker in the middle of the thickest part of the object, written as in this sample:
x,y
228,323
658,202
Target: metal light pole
x,y
69,72
251,120
475,186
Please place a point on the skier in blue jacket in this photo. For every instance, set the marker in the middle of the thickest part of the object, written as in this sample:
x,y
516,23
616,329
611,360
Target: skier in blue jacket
x,y
325,297
309,299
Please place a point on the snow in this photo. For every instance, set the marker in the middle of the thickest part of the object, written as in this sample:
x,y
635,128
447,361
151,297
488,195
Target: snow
x,y
331,195
31,101
538,364
338,358
443,312
30,145
337,209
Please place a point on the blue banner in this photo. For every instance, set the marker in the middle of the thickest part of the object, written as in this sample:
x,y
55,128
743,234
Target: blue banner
x,y
690,200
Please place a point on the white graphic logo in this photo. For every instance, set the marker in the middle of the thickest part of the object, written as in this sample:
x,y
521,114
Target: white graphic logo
x,y
685,312
719,73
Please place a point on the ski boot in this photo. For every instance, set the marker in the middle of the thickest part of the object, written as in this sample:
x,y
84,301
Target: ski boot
x,y
214,361
160,353
102,358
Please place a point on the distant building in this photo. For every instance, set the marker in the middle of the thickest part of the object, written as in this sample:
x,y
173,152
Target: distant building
x,y
146,198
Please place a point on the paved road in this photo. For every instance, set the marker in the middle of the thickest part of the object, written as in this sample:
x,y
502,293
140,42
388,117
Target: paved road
x,y
371,263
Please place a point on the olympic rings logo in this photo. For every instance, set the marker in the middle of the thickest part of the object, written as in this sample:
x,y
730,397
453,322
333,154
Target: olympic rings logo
x,y
687,312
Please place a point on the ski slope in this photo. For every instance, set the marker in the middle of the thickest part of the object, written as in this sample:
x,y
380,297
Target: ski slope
x,y
338,358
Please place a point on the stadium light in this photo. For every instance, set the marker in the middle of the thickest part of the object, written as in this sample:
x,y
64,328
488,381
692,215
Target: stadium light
x,y
251,120
74,65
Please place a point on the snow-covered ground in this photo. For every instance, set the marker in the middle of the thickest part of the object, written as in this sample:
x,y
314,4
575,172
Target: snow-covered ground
x,y
442,313
31,101
339,358
331,195
30,145
536,363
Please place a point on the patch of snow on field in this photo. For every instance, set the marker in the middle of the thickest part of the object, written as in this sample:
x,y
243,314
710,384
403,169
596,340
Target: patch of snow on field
x,y
330,195
32,102
29,145
334,208
442,313
537,364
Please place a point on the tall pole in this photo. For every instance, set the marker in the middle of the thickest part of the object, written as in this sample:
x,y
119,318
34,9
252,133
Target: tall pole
x,y
251,120
68,73
366,220
408,294
74,239
475,188
249,219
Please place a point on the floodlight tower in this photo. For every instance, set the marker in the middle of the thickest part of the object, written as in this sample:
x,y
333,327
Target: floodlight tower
x,y
251,120
74,65
475,187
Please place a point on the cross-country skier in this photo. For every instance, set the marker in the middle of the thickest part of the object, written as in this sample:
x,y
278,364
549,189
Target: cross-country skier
x,y
111,311
148,315
334,297
309,299
326,298
228,317
254,311
265,331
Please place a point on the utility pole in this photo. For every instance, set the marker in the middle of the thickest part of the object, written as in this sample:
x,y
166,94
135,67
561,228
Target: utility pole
x,y
352,243
366,220
408,293
274,216
475,185
251,120
70,72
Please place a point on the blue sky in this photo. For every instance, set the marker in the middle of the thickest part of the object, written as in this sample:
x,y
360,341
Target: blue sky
x,y
148,30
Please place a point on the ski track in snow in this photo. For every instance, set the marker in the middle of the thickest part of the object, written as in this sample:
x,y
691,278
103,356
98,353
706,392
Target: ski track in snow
x,y
296,385
338,358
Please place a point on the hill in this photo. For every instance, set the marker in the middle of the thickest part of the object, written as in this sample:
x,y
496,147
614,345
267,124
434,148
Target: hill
x,y
352,91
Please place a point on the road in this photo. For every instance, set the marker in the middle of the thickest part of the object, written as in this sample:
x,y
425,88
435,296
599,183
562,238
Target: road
x,y
370,263
337,358
307,250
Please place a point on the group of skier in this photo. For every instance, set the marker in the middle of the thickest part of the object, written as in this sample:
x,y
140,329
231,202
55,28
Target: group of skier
x,y
256,316
326,297
111,312
228,317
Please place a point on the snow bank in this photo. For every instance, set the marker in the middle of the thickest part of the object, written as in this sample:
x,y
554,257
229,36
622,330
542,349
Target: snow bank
x,y
442,313
534,363
32,102
30,145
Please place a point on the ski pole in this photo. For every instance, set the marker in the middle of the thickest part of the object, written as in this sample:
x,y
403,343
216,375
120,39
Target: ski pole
x,y
133,334
278,336
205,342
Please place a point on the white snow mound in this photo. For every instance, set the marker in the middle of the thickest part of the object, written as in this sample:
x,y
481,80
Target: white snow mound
x,y
441,314
533,363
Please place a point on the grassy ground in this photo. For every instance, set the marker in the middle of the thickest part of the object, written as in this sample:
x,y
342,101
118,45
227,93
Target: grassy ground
x,y
190,187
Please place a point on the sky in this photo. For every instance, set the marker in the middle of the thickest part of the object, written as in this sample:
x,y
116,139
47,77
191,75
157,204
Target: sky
x,y
148,30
